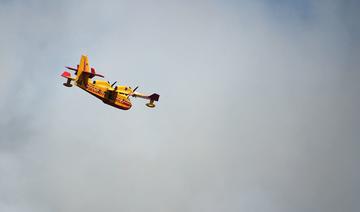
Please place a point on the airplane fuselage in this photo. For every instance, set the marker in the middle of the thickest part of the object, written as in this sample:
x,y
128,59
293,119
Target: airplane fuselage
x,y
100,89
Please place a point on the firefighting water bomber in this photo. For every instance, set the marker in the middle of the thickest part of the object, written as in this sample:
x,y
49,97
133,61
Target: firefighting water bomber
x,y
115,95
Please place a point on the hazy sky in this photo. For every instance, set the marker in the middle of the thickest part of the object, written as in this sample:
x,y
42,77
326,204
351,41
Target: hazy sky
x,y
258,108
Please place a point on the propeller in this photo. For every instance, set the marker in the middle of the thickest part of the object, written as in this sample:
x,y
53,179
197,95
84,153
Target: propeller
x,y
113,83
133,91
112,86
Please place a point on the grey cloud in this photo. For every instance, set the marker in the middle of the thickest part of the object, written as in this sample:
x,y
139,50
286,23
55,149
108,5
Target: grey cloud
x,y
256,113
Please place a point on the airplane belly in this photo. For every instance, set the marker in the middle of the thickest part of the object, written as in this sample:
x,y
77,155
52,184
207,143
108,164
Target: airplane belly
x,y
118,103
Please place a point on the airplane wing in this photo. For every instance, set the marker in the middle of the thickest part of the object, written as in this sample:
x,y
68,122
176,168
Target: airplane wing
x,y
67,75
153,97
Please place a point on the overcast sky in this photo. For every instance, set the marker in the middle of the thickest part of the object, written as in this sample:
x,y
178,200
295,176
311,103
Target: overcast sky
x,y
258,106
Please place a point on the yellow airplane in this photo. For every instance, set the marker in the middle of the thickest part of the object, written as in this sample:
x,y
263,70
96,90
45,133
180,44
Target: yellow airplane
x,y
117,96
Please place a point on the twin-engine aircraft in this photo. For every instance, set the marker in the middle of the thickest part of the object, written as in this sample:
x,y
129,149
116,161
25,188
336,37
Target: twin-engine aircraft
x,y
117,96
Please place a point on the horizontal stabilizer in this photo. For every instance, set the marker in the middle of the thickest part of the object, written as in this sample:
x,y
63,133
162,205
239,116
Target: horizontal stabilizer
x,y
71,68
93,73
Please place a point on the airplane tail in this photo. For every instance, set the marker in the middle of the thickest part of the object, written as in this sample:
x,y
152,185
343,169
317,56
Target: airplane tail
x,y
83,70
82,67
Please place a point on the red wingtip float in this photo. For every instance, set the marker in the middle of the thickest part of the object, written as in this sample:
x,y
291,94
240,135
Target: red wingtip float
x,y
118,96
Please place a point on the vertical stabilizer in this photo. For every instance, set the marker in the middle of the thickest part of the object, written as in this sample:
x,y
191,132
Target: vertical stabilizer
x,y
83,67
